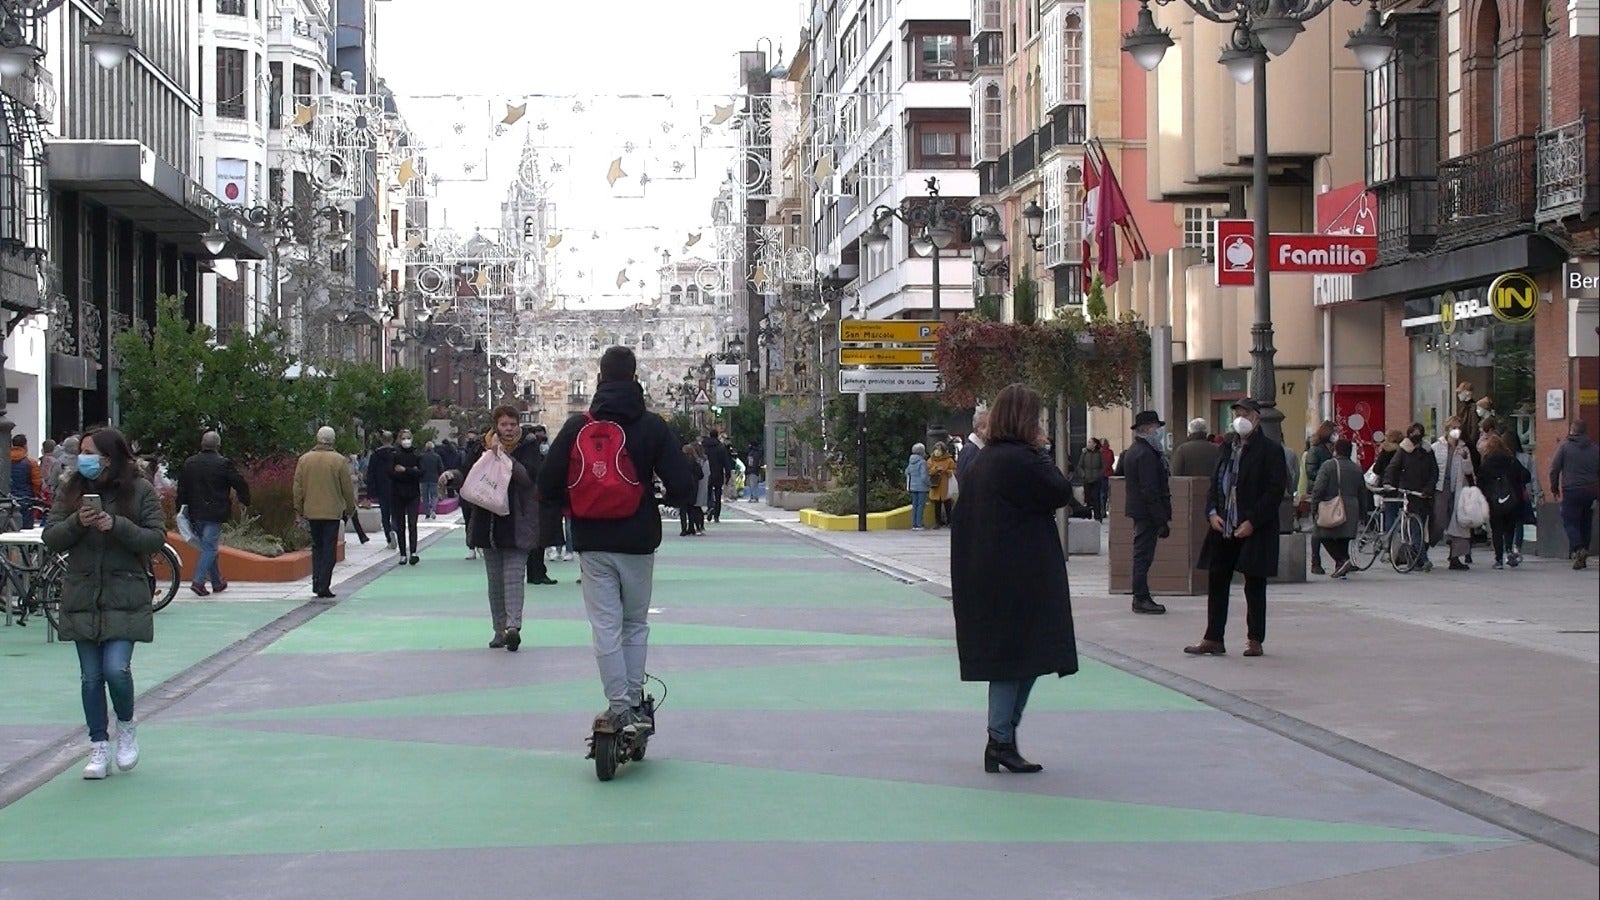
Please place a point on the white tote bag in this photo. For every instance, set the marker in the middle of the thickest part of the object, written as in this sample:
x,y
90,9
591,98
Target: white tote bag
x,y
1472,507
488,485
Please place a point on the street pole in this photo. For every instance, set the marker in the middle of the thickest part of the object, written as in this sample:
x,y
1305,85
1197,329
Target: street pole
x,y
1263,376
935,257
861,461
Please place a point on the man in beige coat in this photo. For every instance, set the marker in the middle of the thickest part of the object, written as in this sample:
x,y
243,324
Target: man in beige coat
x,y
324,495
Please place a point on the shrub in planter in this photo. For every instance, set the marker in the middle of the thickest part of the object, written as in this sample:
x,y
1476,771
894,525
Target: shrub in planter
x,y
800,485
880,498
272,505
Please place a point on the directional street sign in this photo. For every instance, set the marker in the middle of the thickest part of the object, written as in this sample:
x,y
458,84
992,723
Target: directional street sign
x,y
890,381
889,331
884,356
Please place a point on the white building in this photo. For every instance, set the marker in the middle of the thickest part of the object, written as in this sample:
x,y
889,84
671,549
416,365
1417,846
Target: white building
x,y
898,75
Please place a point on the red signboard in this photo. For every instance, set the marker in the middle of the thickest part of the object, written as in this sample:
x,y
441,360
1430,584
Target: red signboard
x,y
1358,413
1319,254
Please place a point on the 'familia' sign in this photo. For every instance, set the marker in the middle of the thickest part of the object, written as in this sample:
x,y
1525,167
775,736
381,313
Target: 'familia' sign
x,y
1319,254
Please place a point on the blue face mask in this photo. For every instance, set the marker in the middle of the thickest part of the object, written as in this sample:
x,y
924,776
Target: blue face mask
x,y
89,465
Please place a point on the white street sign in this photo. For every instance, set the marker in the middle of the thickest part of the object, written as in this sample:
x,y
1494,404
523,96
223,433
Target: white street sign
x,y
890,381
727,385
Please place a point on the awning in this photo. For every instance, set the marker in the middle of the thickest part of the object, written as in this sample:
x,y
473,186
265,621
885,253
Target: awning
x,y
131,181
1477,264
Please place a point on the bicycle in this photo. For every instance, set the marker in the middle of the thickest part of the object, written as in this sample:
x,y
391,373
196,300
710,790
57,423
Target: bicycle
x,y
34,579
1397,542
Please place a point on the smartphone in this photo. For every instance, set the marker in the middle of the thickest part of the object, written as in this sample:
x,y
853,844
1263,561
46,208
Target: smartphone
x,y
93,501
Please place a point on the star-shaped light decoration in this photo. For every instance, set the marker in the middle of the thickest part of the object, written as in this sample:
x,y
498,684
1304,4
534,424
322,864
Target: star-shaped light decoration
x,y
514,114
615,173
482,281
629,147
691,240
407,173
722,114
759,278
552,241
622,278
824,168
303,114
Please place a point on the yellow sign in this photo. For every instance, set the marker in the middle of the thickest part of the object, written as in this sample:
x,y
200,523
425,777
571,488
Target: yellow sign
x,y
889,331
884,356
1447,312
1588,396
1514,297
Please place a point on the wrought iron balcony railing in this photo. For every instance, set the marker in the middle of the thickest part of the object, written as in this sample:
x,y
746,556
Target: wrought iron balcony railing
x,y
1071,124
1408,218
1562,172
1487,193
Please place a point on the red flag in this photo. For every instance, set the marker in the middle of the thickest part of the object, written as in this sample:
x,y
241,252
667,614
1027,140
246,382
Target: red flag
x,y
1112,213
1091,202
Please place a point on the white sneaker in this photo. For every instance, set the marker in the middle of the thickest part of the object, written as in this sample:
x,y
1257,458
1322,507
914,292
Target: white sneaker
x,y
99,761
127,746
566,557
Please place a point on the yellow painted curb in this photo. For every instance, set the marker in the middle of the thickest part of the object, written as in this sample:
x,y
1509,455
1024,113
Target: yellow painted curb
x,y
893,520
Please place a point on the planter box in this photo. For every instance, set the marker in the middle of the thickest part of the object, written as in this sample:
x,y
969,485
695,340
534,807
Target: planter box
x,y
794,501
893,520
371,520
448,505
239,565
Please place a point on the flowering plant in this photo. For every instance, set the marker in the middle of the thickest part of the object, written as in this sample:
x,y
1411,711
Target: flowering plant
x,y
1098,364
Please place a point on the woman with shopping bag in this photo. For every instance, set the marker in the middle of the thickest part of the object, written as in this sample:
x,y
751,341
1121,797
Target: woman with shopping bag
x,y
497,485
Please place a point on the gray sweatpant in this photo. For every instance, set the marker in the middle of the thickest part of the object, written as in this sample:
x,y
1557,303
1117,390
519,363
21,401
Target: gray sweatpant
x,y
616,594
507,570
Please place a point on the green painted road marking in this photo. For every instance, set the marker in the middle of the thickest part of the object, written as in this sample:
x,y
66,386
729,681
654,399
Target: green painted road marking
x,y
40,684
331,633
194,795
898,684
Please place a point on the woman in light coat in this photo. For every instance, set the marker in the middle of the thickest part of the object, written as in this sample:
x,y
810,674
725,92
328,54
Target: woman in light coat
x,y
1340,477
941,471
1451,452
917,483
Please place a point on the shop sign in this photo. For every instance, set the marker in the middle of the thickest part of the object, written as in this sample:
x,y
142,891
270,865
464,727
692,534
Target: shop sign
x,y
1581,280
1447,312
1230,382
1317,254
1473,307
1514,297
1358,414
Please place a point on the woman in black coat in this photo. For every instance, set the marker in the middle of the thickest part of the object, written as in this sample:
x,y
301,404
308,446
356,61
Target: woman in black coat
x,y
405,495
1008,575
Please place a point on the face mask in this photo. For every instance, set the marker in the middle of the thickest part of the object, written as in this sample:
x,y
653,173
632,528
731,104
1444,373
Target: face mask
x,y
1464,396
1158,437
1414,437
544,449
406,444
89,465
1242,426
1455,434
1482,412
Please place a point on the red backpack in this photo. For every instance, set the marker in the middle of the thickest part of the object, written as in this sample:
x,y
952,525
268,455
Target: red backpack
x,y
602,483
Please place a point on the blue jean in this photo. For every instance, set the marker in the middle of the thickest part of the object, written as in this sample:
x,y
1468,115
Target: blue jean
x,y
208,569
1576,504
105,666
919,500
430,497
1006,702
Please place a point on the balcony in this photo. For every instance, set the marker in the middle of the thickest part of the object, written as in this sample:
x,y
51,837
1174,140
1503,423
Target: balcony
x,y
1562,187
988,51
1408,218
1071,123
231,7
1023,157
1488,193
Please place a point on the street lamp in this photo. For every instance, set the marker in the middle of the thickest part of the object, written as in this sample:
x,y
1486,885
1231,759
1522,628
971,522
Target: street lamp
x,y
109,42
1261,29
936,222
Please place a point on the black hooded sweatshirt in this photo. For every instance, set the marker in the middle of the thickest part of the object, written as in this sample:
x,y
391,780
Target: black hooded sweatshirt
x,y
655,454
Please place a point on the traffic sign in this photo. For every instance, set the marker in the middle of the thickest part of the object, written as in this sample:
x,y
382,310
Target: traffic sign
x,y
889,331
1514,297
890,381
884,356
727,385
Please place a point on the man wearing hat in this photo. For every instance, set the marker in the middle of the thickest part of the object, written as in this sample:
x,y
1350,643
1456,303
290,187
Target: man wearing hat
x,y
324,495
1149,503
1242,509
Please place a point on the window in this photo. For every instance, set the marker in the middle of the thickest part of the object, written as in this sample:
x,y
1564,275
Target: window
x,y
1199,230
274,186
992,123
304,84
1052,191
230,7
939,57
1072,213
231,84
942,145
1073,63
1403,107
275,95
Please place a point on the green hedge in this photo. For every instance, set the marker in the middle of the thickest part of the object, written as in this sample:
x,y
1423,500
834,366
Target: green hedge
x,y
880,498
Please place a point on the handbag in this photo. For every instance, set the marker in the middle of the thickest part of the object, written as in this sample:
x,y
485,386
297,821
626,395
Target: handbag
x,y
488,485
1331,512
1472,507
185,526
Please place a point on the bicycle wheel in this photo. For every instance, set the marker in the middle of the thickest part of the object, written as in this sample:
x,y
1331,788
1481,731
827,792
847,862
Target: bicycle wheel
x,y
1368,545
1403,543
164,568
49,595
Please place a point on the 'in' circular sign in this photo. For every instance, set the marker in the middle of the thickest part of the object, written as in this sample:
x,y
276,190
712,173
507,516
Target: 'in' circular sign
x,y
1514,297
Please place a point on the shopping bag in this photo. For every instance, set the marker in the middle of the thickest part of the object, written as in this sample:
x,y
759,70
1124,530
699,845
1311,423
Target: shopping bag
x,y
185,527
488,485
1472,507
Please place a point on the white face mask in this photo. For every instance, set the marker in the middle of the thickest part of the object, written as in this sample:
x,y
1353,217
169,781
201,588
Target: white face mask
x,y
1482,412
1464,396
406,444
1455,434
1243,426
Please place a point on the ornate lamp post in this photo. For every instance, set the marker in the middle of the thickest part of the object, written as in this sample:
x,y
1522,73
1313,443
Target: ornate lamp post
x,y
109,42
1261,29
936,223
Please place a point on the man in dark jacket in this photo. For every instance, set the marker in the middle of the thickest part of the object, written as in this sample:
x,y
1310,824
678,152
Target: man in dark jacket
x,y
1149,504
1242,508
27,481
204,485
1197,456
617,556
1574,483
432,467
380,468
538,571
721,471
1413,467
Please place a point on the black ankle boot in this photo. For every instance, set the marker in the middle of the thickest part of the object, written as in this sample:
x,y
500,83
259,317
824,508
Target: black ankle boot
x,y
997,754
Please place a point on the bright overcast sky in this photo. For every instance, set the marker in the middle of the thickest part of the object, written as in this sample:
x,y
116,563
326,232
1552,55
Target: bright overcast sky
x,y
490,50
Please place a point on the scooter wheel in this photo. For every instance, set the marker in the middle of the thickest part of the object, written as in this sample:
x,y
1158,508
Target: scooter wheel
x,y
605,756
637,753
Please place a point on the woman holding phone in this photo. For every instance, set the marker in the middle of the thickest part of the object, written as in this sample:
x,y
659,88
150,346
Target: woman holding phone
x,y
108,519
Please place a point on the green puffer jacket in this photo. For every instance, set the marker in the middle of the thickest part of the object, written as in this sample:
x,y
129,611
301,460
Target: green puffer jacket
x,y
106,593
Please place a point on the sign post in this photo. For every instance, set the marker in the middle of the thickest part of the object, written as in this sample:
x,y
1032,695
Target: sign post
x,y
726,385
861,461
